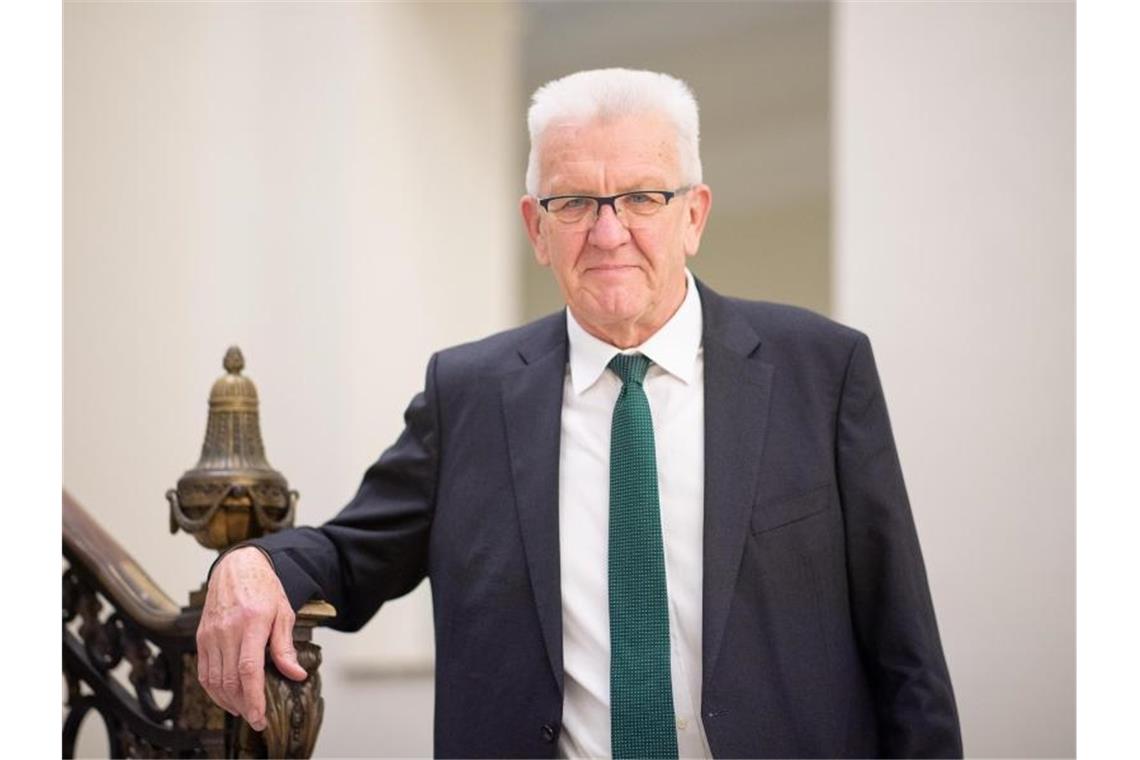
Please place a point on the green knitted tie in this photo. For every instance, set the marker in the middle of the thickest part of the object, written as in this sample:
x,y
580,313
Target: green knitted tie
x,y
641,692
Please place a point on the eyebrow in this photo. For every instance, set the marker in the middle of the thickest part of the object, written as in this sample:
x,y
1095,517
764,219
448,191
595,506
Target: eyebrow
x,y
648,183
645,183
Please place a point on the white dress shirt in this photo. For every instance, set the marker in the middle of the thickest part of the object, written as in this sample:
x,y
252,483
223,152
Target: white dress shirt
x,y
675,388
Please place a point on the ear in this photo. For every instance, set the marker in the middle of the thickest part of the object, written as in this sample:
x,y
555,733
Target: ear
x,y
532,221
699,203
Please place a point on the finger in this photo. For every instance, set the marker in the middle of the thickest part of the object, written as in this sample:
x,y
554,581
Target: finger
x,y
229,679
214,672
203,664
216,681
204,667
281,646
251,670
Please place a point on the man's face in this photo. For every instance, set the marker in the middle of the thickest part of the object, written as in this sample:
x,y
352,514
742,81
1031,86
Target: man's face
x,y
621,283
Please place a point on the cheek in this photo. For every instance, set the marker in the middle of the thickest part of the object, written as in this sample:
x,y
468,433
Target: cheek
x,y
566,249
657,250
562,256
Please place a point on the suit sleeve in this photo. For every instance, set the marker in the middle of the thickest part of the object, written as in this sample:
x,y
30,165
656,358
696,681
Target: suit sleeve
x,y
376,548
890,598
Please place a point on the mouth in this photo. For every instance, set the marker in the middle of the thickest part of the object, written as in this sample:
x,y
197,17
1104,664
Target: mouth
x,y
611,268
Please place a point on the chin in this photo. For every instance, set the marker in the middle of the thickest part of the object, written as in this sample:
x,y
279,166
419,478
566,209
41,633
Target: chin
x,y
617,311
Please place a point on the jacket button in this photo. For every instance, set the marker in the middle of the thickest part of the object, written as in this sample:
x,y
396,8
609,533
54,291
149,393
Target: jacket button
x,y
549,732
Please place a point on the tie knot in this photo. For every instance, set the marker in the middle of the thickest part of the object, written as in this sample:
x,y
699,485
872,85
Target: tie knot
x,y
631,368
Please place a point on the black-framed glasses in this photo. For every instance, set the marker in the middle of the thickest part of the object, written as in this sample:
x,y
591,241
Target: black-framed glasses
x,y
630,207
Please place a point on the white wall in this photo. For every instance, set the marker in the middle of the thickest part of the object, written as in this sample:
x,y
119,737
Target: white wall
x,y
954,251
330,186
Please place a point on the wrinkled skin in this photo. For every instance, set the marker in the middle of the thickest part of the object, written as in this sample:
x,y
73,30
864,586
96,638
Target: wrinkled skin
x,y
621,284
245,610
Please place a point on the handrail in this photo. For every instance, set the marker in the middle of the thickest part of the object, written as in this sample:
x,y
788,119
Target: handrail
x,y
123,580
168,713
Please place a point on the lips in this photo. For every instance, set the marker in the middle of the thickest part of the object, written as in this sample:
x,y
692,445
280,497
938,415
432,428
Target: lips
x,y
611,268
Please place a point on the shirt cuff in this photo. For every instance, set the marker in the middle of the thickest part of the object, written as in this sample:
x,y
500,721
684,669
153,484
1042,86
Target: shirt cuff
x,y
241,545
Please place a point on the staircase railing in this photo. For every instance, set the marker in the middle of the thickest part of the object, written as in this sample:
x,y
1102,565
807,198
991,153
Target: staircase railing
x,y
129,651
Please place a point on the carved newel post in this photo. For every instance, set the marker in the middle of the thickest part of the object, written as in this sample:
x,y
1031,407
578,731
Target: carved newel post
x,y
232,495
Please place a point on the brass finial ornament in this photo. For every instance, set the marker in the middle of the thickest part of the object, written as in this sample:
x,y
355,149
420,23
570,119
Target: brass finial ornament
x,y
232,494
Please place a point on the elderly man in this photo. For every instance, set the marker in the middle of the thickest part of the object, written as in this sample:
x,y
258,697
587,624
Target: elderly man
x,y
659,523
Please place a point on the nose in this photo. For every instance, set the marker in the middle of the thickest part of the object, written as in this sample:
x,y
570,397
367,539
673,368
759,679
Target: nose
x,y
608,232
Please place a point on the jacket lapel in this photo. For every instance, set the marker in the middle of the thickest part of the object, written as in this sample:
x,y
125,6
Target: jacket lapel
x,y
737,392
532,408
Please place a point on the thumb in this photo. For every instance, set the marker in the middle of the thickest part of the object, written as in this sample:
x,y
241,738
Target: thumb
x,y
281,647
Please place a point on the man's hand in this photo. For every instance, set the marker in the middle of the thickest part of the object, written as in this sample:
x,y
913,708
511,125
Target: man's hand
x,y
245,608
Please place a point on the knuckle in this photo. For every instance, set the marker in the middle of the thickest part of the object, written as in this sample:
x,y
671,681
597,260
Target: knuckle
x,y
230,684
247,667
251,612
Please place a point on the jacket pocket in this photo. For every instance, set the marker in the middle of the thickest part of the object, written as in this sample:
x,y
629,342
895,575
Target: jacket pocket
x,y
792,509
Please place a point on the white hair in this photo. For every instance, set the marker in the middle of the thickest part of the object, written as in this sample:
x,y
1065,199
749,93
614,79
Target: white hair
x,y
611,93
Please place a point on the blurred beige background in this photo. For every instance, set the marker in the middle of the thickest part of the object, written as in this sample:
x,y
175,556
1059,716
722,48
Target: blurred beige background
x,y
333,187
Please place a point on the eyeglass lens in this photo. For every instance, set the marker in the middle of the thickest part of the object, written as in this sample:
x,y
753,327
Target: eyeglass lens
x,y
631,207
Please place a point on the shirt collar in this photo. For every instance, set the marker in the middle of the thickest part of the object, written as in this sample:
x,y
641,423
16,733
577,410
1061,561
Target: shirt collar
x,y
673,348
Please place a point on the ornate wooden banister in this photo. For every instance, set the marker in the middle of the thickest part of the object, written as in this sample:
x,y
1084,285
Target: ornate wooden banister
x,y
116,618
86,543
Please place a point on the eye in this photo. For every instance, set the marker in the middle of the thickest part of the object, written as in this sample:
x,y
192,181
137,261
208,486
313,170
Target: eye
x,y
642,203
574,204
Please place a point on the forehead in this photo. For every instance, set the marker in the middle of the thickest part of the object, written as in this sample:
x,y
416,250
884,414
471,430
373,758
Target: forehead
x,y
604,154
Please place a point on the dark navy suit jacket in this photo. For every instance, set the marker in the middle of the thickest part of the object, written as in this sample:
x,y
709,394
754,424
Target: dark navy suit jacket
x,y
819,637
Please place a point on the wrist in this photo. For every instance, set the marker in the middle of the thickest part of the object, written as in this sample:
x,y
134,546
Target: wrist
x,y
239,548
